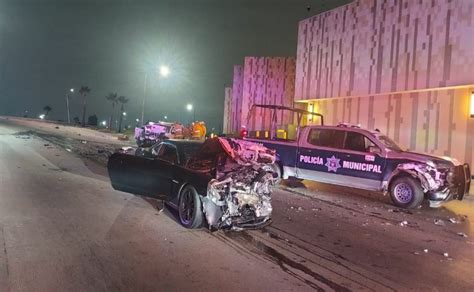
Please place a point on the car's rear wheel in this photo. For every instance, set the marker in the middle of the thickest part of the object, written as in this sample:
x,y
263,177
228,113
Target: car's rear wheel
x,y
190,208
406,192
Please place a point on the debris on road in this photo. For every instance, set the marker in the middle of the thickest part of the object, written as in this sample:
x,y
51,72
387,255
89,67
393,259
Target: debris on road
x,y
439,222
83,141
56,127
453,220
446,254
425,250
462,234
404,223
400,211
68,150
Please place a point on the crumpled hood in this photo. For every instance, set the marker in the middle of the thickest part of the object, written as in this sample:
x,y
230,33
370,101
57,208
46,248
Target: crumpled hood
x,y
240,195
423,158
246,152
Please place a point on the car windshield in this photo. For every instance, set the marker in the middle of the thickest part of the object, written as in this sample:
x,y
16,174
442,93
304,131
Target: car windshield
x,y
389,143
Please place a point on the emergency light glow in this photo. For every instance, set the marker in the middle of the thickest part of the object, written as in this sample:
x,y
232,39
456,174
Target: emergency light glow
x,y
471,112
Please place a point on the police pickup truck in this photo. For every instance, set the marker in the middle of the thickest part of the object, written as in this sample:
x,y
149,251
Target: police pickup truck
x,y
348,155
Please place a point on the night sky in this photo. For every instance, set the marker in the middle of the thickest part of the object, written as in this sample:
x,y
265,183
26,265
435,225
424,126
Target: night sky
x,y
47,47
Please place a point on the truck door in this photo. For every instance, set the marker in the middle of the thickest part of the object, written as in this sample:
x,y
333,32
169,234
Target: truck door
x,y
363,161
320,155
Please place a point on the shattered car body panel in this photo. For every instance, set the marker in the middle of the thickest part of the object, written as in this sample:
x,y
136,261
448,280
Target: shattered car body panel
x,y
228,174
240,196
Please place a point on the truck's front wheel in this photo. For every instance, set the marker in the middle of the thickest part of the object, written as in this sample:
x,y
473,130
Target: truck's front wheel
x,y
406,192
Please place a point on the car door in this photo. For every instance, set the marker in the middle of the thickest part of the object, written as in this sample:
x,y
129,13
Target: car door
x,y
160,169
319,156
127,173
363,160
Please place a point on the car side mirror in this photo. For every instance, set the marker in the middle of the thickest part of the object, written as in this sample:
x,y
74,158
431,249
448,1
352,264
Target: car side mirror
x,y
374,150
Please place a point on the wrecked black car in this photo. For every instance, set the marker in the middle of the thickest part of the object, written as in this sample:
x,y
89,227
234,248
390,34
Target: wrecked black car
x,y
226,183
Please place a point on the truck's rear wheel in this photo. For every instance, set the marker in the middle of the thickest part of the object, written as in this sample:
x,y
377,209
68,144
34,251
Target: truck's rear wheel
x,y
406,192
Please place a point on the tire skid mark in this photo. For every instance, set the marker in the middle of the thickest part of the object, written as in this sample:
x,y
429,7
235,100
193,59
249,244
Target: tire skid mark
x,y
277,237
342,206
237,248
274,256
329,251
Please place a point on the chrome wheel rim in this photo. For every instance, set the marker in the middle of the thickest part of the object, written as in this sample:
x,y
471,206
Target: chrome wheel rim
x,y
403,193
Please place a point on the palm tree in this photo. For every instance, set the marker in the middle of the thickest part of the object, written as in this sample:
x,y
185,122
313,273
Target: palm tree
x,y
122,100
47,109
84,91
112,97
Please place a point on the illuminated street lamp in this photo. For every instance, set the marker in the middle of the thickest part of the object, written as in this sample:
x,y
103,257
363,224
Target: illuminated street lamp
x,y
165,117
124,114
190,108
42,116
104,123
164,72
71,91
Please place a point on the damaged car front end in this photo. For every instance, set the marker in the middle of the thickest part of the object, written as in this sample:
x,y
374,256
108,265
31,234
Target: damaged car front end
x,y
226,183
240,195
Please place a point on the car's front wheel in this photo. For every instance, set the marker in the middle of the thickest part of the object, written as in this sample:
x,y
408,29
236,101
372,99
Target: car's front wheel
x,y
406,192
190,208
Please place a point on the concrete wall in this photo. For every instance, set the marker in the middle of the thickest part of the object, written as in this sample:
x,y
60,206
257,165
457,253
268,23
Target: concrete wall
x,y
374,46
237,89
403,66
227,125
267,80
435,122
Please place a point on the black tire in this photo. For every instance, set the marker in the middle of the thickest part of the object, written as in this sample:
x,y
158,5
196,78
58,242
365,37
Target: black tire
x,y
190,208
406,192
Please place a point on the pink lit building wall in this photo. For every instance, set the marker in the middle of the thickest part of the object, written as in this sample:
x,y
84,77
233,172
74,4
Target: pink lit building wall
x,y
227,126
262,80
267,80
405,67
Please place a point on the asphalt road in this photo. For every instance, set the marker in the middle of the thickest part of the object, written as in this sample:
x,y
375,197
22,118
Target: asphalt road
x,y
63,228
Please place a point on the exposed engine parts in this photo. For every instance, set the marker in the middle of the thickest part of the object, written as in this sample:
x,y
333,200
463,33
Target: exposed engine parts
x,y
240,195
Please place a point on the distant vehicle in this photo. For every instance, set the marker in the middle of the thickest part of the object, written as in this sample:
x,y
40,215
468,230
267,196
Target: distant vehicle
x,y
348,155
153,132
224,181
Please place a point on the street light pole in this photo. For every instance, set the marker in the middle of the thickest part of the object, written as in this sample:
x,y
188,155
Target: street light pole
x,y
144,97
164,72
67,105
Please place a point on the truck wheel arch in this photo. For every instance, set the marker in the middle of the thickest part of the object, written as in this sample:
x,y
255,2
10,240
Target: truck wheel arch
x,y
414,170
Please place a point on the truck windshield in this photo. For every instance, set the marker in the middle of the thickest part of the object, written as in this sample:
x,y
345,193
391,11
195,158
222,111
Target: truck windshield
x,y
389,143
